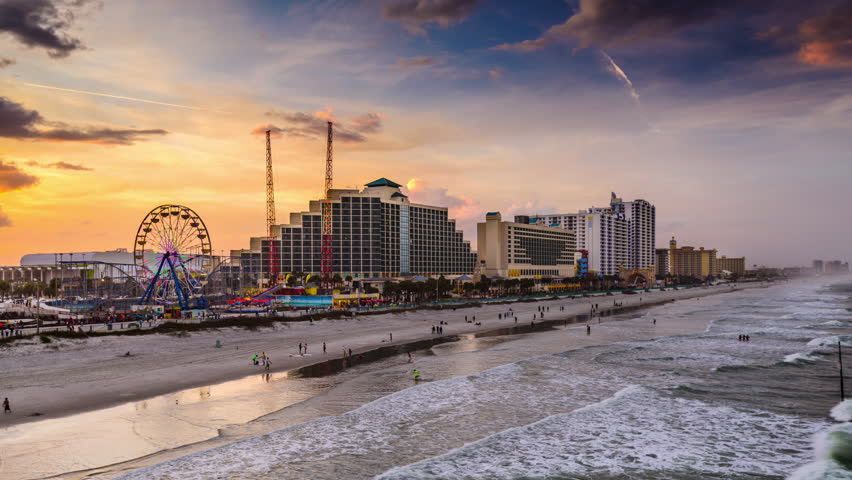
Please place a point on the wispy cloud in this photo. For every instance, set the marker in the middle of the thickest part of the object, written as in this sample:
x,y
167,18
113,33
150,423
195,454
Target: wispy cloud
x,y
417,62
301,124
413,14
5,221
69,166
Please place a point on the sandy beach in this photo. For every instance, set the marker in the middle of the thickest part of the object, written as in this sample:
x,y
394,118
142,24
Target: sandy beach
x,y
91,381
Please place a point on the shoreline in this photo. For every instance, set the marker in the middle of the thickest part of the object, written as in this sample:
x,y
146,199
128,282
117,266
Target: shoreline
x,y
296,365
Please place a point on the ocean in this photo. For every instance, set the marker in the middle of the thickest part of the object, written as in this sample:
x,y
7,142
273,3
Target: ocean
x,y
698,405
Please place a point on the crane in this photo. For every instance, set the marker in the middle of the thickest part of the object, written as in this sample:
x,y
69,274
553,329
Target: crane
x,y
270,215
326,261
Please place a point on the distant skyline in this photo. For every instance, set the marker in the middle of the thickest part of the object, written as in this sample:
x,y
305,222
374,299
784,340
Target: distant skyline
x,y
732,118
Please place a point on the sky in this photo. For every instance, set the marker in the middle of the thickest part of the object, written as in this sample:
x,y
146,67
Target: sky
x,y
731,116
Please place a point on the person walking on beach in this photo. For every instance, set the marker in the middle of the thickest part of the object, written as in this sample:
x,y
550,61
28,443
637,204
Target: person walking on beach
x,y
323,348
409,357
588,329
6,407
300,348
655,321
267,363
391,336
416,375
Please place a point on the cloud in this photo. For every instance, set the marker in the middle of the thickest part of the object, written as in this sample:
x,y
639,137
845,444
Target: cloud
x,y
13,178
526,46
495,73
300,124
41,24
827,40
19,123
415,13
6,62
614,22
465,210
69,166
5,221
417,62
369,122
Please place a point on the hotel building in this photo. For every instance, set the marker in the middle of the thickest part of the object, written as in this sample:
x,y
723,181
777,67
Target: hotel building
x,y
520,249
688,261
622,235
662,266
641,219
735,265
376,232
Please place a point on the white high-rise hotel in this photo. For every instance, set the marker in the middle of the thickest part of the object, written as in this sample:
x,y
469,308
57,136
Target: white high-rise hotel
x,y
621,235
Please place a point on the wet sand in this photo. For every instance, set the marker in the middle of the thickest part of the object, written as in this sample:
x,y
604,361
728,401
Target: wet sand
x,y
166,422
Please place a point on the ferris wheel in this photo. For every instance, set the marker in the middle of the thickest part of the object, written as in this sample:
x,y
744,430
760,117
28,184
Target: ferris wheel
x,y
172,256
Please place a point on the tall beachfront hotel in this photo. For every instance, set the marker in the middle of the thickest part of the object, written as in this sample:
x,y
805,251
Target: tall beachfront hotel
x,y
641,218
377,232
621,235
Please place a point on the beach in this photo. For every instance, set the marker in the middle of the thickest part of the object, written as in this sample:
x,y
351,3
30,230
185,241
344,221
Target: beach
x,y
93,384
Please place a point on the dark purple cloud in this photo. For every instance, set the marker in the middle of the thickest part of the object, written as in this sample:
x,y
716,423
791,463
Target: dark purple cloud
x,y
13,178
613,22
20,123
41,24
300,124
414,13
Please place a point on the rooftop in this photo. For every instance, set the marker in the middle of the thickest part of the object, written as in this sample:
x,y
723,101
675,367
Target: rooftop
x,y
383,182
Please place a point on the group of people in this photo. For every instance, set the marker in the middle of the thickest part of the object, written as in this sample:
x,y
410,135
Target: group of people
x,y
745,338
263,359
11,329
438,329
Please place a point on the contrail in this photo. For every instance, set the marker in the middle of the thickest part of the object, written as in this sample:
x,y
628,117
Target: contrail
x,y
619,73
84,92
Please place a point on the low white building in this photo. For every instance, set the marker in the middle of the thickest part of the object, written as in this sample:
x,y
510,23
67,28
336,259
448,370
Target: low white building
x,y
44,267
523,250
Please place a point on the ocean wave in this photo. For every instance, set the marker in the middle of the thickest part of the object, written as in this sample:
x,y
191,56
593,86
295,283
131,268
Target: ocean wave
x,y
832,449
845,340
638,433
799,358
734,368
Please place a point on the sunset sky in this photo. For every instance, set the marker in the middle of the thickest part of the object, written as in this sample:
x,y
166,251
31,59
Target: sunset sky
x,y
732,117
